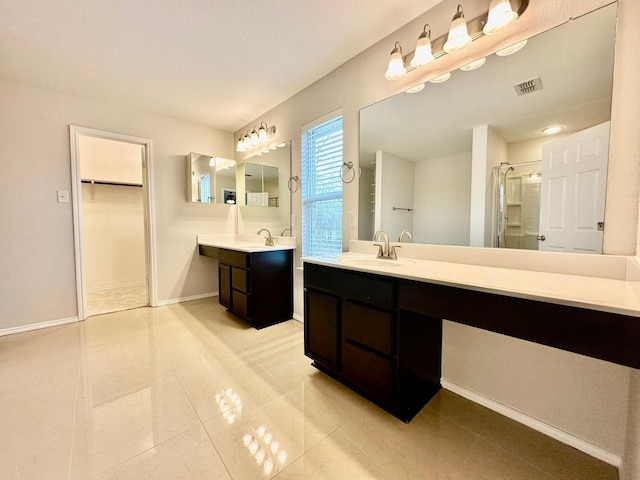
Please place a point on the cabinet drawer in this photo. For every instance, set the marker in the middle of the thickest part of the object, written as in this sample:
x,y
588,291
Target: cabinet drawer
x,y
240,304
372,289
321,328
368,371
239,280
234,258
369,326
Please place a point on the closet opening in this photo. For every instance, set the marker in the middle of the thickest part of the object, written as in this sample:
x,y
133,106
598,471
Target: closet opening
x,y
113,231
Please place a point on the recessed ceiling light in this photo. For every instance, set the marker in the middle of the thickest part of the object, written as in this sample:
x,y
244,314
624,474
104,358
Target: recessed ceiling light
x,y
511,49
442,78
416,89
473,65
552,129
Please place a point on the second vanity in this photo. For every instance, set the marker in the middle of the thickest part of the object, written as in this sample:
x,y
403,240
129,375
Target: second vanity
x,y
255,281
376,325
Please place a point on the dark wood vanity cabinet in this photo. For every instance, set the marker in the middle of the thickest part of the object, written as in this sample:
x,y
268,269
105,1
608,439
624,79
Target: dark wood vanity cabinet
x,y
257,286
355,332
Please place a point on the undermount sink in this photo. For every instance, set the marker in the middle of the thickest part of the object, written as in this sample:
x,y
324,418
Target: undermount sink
x,y
371,261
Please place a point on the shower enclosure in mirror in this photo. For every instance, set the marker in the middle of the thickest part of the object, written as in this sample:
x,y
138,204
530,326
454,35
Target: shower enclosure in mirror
x,y
211,179
427,158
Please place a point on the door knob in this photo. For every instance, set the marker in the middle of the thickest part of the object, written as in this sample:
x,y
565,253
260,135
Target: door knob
x,y
542,238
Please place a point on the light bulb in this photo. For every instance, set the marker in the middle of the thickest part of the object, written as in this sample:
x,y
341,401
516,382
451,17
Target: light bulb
x,y
423,54
262,133
396,68
500,16
458,37
254,137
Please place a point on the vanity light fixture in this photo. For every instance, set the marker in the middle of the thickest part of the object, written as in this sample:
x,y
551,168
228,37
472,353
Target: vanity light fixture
x,y
553,129
423,54
416,89
511,49
461,33
256,137
501,15
441,78
458,37
396,68
473,65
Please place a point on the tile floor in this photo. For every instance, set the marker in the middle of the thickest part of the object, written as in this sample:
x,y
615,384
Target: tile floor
x,y
114,299
187,392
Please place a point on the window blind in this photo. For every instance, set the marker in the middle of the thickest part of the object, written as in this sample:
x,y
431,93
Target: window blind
x,y
322,189
205,188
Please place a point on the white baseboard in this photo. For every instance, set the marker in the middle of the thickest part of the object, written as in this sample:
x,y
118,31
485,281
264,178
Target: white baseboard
x,y
534,423
172,301
298,317
120,285
37,326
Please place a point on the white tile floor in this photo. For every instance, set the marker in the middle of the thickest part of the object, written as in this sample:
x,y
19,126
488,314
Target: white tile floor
x,y
114,299
188,391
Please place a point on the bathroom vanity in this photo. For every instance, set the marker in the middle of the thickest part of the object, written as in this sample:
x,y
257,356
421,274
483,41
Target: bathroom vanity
x,y
377,327
255,281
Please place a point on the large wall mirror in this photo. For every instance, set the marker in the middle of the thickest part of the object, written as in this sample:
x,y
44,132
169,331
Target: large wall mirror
x,y
263,194
465,162
210,179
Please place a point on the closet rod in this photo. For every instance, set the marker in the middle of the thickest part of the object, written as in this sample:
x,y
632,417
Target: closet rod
x,y
117,184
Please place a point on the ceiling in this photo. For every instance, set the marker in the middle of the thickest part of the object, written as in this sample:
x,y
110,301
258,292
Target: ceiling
x,y
220,63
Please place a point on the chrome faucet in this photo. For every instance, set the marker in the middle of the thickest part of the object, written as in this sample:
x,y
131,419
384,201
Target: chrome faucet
x,y
384,250
268,239
404,232
282,234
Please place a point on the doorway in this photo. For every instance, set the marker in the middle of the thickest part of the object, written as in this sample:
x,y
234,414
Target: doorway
x,y
113,231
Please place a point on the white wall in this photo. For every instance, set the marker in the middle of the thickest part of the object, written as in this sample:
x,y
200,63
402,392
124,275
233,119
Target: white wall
x,y
360,82
443,197
113,235
109,160
395,191
365,207
36,247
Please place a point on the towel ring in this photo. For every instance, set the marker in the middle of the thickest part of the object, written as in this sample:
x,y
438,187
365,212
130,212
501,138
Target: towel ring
x,y
349,165
290,184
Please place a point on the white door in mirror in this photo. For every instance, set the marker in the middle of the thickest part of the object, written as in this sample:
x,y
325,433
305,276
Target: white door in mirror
x,y
574,179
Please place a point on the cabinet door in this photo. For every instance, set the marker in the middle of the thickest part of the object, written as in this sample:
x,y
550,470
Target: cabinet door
x,y
224,285
321,323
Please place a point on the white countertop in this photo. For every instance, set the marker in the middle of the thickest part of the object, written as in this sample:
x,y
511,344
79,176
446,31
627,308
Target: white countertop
x,y
245,243
604,294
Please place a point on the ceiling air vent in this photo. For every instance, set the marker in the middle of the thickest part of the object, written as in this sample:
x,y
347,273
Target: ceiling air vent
x,y
528,86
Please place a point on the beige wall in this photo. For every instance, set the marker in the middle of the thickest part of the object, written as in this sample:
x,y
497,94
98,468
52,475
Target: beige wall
x,y
36,246
577,400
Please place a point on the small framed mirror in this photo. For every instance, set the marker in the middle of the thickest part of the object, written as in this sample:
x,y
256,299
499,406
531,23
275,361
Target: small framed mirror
x,y
211,179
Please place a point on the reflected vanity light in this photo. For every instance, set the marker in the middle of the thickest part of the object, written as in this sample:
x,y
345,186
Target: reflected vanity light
x,y
221,163
510,50
441,78
552,129
416,89
257,136
273,146
264,449
473,65
460,34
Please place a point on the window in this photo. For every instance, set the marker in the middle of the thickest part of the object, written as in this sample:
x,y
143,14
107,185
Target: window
x,y
322,189
205,188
